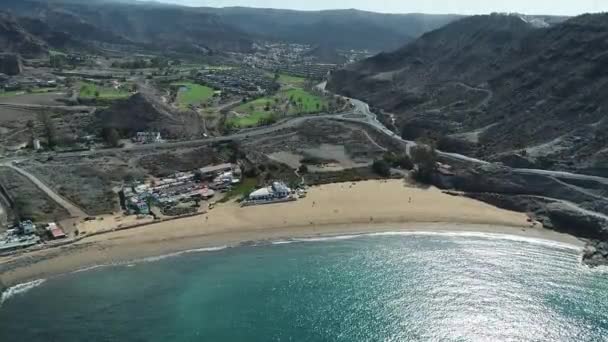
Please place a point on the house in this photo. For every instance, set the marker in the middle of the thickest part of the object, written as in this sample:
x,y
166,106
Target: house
x,y
277,191
214,170
55,231
148,137
36,144
27,227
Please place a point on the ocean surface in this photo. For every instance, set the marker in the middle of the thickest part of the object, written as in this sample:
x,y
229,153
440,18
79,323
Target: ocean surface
x,y
384,287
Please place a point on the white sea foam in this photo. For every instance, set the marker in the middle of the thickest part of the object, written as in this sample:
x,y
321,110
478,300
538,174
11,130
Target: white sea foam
x,y
19,289
499,236
538,241
90,268
132,263
171,255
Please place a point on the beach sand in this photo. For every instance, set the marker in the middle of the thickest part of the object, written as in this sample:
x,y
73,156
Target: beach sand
x,y
334,209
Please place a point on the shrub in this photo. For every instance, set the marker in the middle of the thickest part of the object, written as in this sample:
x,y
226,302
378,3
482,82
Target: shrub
x,y
382,168
425,160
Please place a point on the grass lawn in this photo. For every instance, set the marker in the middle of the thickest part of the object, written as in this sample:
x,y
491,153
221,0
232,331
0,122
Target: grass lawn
x,y
45,90
88,91
11,93
193,94
243,189
310,103
254,110
291,80
24,92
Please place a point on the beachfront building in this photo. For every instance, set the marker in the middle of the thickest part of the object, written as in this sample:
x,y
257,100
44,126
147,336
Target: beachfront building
x,y
55,231
11,241
27,227
215,170
277,191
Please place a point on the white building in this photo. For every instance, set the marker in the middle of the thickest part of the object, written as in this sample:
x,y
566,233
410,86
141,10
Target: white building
x,y
36,144
278,190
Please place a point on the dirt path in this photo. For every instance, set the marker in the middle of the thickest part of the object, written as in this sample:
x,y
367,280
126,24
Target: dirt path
x,y
70,207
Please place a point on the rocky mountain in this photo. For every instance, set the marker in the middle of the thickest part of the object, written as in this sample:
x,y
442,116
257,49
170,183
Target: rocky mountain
x,y
223,29
340,29
133,24
498,87
15,39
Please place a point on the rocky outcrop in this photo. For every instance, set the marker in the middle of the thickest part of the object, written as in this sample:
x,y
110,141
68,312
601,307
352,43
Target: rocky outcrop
x,y
573,220
596,253
10,64
575,207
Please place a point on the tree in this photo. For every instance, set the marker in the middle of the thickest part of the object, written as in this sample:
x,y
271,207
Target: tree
x,y
402,161
30,125
49,129
303,169
318,105
57,61
97,93
381,167
425,160
111,137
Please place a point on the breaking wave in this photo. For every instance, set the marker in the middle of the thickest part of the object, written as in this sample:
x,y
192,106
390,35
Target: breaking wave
x,y
20,289
537,241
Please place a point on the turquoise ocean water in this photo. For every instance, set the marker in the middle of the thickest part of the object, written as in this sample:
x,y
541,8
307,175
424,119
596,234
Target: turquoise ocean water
x,y
386,287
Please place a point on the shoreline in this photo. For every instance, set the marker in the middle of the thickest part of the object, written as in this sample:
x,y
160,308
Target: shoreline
x,y
371,207
540,236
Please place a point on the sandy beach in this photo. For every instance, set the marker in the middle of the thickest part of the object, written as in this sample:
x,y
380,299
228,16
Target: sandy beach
x,y
335,209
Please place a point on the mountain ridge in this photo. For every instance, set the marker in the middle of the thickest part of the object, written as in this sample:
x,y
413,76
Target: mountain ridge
x,y
534,96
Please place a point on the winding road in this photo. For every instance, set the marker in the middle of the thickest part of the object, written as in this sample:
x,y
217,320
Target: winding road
x,y
361,114
72,209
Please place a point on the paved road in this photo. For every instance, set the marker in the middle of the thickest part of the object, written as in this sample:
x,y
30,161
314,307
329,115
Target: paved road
x,y
363,108
367,117
35,106
72,209
363,116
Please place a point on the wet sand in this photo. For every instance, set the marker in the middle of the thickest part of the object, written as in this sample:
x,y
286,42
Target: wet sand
x,y
335,209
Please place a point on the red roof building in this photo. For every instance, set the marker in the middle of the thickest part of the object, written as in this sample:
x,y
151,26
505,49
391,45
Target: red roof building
x,y
56,232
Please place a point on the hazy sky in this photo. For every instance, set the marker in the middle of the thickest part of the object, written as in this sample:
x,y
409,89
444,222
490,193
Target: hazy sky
x,y
561,7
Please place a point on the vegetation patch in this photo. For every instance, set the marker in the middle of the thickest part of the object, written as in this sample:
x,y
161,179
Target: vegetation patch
x,y
267,110
11,93
90,91
292,80
192,93
241,190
